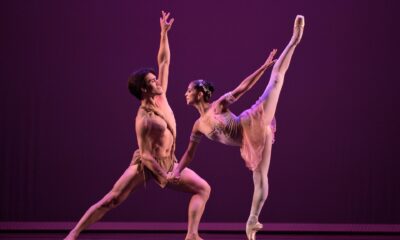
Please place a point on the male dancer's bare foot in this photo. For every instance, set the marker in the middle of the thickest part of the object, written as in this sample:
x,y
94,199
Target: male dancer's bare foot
x,y
298,29
252,229
193,236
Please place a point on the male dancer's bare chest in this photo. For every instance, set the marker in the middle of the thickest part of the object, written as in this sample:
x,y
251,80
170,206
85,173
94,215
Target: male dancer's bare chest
x,y
160,130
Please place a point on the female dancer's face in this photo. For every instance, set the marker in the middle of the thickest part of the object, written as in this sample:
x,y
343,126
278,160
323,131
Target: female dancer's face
x,y
191,94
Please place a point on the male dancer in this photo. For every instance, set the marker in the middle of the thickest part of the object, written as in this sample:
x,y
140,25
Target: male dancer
x,y
155,130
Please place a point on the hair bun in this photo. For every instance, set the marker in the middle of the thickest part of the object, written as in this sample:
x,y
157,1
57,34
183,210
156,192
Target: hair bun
x,y
206,87
210,87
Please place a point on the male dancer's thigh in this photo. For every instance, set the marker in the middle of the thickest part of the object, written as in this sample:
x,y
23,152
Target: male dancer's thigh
x,y
189,182
129,181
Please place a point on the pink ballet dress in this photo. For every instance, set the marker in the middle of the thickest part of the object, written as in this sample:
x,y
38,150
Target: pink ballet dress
x,y
249,130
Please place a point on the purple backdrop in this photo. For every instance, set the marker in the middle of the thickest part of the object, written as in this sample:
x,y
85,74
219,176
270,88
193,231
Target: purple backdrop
x,y
67,117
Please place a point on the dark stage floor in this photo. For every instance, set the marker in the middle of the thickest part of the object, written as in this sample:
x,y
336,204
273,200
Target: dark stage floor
x,y
179,236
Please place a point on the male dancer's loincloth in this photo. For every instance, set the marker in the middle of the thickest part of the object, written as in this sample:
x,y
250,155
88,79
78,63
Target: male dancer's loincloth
x,y
166,163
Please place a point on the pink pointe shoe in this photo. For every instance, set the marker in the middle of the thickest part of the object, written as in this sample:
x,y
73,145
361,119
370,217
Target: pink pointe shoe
x,y
252,229
298,29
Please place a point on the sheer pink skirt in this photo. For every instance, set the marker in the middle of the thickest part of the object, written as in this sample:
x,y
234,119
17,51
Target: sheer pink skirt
x,y
256,132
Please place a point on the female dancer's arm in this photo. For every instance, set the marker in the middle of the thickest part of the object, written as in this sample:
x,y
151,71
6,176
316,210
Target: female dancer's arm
x,y
164,55
249,82
188,155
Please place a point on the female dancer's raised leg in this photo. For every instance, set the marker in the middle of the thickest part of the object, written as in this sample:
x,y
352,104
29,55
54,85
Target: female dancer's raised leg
x,y
269,99
271,94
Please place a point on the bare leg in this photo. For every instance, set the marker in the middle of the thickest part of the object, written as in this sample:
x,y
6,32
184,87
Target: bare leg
x,y
271,94
127,183
269,99
260,194
192,183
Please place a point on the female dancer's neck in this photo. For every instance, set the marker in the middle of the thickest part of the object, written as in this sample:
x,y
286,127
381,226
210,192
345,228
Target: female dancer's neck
x,y
202,107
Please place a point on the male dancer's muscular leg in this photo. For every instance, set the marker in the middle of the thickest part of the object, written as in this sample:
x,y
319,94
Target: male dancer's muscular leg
x,y
128,182
190,182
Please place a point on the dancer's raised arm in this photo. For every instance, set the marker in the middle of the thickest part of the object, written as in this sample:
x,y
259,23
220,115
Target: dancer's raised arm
x,y
249,81
164,55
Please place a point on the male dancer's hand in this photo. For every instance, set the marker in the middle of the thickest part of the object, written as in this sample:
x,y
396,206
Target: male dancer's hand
x,y
174,176
164,23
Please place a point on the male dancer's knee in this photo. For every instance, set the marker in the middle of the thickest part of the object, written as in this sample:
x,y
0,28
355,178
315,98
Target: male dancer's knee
x,y
111,200
205,191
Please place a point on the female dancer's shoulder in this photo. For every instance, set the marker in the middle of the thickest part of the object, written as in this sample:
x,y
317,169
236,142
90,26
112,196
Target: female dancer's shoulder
x,y
222,103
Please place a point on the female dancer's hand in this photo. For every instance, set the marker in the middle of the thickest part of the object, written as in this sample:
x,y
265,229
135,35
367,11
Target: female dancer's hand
x,y
164,23
270,60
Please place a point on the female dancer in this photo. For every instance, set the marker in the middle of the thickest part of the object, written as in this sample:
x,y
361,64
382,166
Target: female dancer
x,y
253,130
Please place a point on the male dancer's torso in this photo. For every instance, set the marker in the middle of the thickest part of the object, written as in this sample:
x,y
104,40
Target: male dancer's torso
x,y
156,129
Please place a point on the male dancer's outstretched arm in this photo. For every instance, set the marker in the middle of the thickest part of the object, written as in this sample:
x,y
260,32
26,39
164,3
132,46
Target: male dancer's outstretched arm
x,y
164,54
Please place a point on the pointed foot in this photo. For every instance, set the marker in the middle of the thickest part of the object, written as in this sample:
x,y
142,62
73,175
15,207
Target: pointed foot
x,y
252,229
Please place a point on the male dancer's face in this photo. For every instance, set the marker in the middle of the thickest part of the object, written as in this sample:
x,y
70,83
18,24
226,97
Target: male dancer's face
x,y
153,85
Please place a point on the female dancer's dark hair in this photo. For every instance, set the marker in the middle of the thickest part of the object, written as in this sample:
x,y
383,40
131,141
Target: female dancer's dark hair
x,y
206,87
